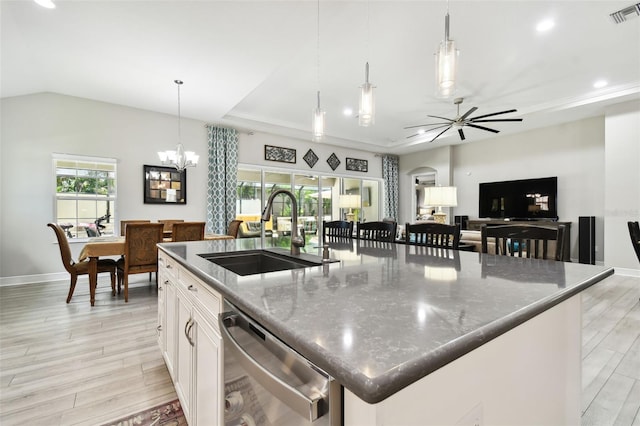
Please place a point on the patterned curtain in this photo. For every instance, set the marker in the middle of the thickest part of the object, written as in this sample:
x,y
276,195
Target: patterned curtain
x,y
222,178
391,185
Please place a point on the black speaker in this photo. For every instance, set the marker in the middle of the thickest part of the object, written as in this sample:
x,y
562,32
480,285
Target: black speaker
x,y
587,239
463,221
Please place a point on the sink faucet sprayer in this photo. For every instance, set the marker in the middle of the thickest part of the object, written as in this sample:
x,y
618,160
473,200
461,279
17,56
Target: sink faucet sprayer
x,y
297,241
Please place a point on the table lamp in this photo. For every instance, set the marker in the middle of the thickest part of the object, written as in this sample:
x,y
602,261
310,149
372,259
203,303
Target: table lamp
x,y
441,196
347,201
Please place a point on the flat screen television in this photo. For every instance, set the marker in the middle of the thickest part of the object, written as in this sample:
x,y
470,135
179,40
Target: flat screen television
x,y
525,199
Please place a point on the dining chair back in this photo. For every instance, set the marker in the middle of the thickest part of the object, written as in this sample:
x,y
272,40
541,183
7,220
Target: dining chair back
x,y
188,231
140,252
80,268
234,227
377,231
337,229
168,224
433,235
531,241
634,233
124,223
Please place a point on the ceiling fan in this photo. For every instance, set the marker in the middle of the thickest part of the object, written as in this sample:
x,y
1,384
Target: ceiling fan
x,y
461,120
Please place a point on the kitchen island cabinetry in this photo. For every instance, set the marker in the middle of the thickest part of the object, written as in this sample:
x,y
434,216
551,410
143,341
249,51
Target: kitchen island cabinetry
x,y
192,342
417,335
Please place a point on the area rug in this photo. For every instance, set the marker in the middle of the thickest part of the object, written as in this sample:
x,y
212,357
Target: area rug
x,y
166,414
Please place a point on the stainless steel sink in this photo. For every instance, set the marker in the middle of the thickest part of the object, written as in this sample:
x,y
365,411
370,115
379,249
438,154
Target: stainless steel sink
x,y
252,262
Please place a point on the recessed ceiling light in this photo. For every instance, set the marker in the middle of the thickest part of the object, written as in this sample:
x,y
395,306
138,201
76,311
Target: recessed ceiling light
x,y
347,111
600,84
46,3
545,25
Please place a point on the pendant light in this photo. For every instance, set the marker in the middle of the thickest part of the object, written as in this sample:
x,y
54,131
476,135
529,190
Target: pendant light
x,y
318,113
180,159
446,63
366,110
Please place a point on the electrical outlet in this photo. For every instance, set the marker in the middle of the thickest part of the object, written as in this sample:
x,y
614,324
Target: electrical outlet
x,y
473,418
596,249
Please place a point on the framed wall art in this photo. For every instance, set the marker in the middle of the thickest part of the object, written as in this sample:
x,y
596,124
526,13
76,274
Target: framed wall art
x,y
356,165
164,185
333,161
310,158
282,155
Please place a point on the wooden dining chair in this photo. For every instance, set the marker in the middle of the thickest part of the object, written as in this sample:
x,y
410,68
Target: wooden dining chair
x,y
188,231
124,223
337,229
80,268
140,253
377,231
433,235
234,227
168,224
531,241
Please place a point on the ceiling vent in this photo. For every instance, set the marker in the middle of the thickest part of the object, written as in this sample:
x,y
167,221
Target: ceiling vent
x,y
628,12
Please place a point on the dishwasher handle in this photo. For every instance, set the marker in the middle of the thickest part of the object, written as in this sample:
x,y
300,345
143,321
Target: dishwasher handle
x,y
308,406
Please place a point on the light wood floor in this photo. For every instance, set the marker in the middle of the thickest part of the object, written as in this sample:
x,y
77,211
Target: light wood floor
x,y
76,365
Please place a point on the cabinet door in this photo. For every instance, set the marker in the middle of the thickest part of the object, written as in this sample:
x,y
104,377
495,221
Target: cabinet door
x,y
184,353
162,321
170,327
208,386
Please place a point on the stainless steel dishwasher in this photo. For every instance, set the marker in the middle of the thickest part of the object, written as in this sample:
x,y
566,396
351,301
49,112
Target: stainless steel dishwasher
x,y
269,384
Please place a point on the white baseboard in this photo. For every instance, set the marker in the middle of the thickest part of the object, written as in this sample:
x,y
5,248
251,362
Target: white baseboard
x,y
628,272
39,278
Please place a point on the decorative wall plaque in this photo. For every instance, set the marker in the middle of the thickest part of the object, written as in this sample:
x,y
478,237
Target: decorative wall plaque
x,y
276,153
310,158
356,165
333,161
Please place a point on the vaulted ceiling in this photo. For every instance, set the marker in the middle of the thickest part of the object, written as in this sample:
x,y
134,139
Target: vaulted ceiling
x,y
256,65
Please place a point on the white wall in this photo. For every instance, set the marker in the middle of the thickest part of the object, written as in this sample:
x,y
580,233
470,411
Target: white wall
x,y
574,152
35,126
622,182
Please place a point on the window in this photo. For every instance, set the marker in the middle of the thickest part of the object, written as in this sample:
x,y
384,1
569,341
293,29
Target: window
x,y
318,199
85,194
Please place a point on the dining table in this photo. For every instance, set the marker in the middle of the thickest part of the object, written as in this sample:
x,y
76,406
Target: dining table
x,y
114,246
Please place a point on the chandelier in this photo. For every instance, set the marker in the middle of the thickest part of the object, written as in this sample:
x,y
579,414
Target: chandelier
x,y
179,158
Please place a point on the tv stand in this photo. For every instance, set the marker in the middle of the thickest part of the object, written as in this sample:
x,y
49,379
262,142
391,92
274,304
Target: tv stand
x,y
475,224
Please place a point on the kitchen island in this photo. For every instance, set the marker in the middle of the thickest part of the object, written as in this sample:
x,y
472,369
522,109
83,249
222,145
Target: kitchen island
x,y
418,335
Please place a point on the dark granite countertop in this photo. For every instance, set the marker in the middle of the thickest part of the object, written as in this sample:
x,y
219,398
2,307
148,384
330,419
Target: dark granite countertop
x,y
386,315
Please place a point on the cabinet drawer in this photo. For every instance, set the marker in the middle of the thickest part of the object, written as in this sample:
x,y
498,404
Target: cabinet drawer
x,y
166,265
204,298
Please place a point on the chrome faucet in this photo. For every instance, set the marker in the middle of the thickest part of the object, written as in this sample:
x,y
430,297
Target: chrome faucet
x,y
297,241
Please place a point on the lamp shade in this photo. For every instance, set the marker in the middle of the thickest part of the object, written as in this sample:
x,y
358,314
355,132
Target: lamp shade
x,y
348,201
441,196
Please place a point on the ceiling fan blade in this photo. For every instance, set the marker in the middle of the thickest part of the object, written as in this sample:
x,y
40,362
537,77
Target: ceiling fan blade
x,y
431,130
468,113
422,125
497,120
441,118
461,133
448,127
481,127
492,114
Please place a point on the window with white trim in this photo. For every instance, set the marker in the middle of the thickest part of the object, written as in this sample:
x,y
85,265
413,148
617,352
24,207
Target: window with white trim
x,y
85,194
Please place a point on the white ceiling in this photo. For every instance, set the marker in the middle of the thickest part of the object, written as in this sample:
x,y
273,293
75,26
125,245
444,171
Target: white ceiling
x,y
254,65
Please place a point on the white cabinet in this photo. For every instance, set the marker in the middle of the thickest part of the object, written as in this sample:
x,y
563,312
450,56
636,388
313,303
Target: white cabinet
x,y
192,342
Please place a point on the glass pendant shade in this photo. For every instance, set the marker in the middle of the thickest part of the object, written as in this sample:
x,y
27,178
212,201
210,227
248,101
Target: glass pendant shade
x,y
446,68
366,110
446,64
318,122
